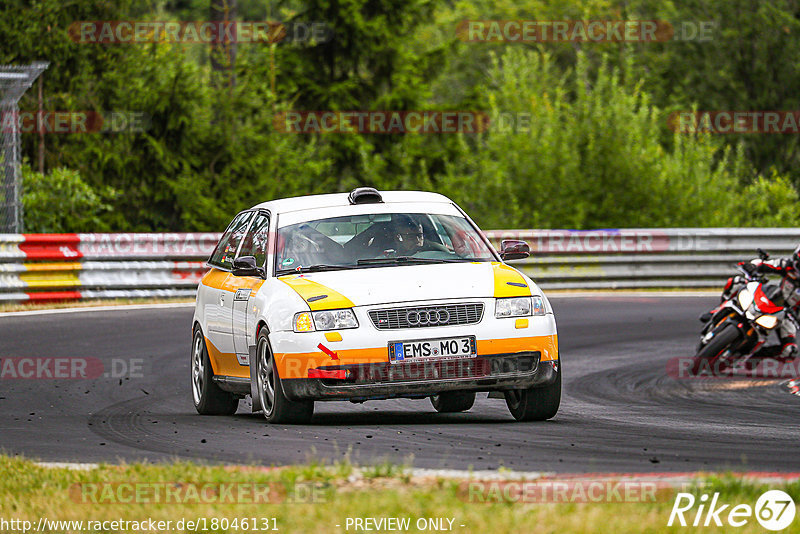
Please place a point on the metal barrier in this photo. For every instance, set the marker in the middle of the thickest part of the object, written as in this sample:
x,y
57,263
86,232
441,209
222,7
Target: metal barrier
x,y
643,258
90,266
37,267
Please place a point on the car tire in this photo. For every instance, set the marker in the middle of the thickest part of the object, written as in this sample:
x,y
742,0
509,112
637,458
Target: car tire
x,y
537,403
208,398
453,401
276,407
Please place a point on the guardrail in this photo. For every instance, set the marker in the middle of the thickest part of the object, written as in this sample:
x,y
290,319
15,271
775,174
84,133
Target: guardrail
x,y
35,267
643,258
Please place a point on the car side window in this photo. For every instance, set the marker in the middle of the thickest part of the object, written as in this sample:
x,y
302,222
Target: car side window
x,y
255,244
226,248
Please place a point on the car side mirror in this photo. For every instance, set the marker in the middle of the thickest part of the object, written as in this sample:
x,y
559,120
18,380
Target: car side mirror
x,y
245,266
511,249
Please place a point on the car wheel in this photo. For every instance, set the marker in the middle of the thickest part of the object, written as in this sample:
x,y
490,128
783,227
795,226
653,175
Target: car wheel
x,y
276,407
453,401
535,404
208,398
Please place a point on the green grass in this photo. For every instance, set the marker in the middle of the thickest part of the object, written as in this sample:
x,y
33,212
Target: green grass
x,y
328,494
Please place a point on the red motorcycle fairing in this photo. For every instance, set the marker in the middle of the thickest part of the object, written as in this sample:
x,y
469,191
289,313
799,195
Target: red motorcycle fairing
x,y
728,284
763,302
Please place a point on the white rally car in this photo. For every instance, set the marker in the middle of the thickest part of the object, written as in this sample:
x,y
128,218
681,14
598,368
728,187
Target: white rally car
x,y
369,295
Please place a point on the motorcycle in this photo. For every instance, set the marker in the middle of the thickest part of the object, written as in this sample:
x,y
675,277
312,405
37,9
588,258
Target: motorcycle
x,y
740,325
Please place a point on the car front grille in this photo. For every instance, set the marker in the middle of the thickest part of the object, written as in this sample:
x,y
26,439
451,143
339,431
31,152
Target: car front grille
x,y
426,316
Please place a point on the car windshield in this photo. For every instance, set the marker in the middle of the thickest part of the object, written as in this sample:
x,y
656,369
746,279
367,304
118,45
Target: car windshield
x,y
384,239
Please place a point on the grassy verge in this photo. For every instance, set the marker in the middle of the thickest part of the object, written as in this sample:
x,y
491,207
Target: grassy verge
x,y
28,306
316,498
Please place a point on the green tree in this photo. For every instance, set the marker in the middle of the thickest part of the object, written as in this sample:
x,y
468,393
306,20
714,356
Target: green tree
x,y
747,62
61,202
595,159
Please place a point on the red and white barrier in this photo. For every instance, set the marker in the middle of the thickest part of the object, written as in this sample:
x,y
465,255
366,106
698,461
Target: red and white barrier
x,y
36,267
127,265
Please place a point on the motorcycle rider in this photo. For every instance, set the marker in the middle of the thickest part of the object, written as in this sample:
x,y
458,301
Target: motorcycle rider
x,y
789,270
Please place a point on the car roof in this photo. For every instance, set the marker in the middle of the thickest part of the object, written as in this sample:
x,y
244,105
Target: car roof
x,y
284,205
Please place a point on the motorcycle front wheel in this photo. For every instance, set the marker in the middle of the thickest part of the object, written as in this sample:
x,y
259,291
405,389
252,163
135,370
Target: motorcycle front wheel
x,y
707,358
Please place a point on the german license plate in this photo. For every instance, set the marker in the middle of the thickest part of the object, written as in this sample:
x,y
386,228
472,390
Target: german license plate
x,y
451,347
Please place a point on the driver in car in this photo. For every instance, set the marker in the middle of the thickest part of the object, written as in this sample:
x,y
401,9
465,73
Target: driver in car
x,y
409,238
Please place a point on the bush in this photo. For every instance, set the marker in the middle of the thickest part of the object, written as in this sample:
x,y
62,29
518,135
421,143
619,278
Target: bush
x,y
61,202
593,157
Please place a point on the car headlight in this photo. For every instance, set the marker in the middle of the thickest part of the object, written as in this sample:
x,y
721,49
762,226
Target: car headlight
x,y
325,320
767,321
519,306
334,319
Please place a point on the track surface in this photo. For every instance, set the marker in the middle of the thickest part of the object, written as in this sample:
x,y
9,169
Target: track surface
x,y
620,411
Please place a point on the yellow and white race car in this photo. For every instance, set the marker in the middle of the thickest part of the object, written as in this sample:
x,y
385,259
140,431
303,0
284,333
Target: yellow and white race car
x,y
369,295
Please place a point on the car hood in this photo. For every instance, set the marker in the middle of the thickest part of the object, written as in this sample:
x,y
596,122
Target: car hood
x,y
405,283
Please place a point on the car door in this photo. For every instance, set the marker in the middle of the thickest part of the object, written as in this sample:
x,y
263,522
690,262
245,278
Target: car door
x,y
219,292
254,244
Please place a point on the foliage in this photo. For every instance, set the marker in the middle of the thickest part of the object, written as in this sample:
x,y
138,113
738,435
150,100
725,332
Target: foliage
x,y
748,62
61,202
597,152
591,156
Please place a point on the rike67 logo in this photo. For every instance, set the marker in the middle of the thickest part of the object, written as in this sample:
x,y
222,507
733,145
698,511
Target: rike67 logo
x,y
774,510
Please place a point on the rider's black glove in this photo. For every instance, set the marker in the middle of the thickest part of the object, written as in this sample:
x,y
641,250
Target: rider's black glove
x,y
749,268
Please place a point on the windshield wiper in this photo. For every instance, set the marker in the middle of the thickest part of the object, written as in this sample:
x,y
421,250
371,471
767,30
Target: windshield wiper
x,y
320,267
402,259
316,268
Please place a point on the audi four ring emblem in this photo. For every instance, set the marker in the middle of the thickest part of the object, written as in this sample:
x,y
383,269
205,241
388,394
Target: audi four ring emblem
x,y
428,317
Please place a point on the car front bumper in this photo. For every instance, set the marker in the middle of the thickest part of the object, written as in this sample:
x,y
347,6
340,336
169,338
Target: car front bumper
x,y
510,354
498,372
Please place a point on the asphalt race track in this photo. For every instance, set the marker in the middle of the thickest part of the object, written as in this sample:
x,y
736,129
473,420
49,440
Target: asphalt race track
x,y
621,411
